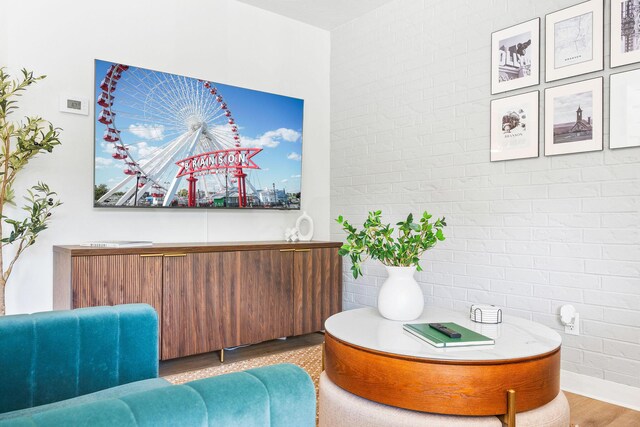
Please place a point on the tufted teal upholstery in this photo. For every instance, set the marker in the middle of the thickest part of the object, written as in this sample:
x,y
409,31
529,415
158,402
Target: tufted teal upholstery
x,y
52,356
274,396
57,356
109,393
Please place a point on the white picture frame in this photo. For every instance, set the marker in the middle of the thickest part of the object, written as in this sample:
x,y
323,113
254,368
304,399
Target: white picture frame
x,y
574,40
515,127
573,118
625,32
515,57
624,110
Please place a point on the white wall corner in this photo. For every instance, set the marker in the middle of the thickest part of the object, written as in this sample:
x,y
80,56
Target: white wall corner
x,y
597,388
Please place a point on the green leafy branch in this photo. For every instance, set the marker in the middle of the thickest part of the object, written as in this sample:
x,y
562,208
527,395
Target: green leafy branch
x,y
375,240
40,203
10,88
31,138
19,143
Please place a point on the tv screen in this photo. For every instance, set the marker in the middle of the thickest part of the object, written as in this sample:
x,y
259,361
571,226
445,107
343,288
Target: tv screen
x,y
168,141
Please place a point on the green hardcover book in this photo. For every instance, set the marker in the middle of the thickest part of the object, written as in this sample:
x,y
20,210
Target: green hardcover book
x,y
438,339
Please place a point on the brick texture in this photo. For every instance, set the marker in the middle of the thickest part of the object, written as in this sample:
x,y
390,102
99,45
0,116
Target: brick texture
x,y
410,97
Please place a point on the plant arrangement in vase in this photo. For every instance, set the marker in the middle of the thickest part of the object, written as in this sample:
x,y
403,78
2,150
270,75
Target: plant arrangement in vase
x,y
400,297
19,143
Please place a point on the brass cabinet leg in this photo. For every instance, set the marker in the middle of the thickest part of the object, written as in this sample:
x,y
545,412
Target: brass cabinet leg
x,y
509,419
322,355
222,355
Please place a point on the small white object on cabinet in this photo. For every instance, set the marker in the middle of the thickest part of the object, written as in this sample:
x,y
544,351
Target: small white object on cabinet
x,y
291,234
302,219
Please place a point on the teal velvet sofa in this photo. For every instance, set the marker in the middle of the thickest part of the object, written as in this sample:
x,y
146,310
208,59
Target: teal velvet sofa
x,y
99,367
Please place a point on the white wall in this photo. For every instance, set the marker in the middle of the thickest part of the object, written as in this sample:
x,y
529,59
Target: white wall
x,y
4,34
410,94
221,40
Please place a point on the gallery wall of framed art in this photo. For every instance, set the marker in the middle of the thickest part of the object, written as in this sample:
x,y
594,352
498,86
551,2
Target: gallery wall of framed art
x,y
572,118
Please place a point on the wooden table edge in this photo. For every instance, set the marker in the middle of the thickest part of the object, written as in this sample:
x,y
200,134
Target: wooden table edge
x,y
452,387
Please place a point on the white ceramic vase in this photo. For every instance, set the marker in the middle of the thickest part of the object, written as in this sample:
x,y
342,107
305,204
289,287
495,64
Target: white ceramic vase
x,y
400,297
304,222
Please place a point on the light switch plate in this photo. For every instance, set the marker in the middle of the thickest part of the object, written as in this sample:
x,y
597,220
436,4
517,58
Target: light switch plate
x,y
74,105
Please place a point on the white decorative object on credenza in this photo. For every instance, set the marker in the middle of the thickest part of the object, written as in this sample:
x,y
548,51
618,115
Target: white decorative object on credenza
x,y
300,223
291,234
400,297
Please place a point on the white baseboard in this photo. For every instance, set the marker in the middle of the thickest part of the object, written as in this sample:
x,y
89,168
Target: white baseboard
x,y
597,388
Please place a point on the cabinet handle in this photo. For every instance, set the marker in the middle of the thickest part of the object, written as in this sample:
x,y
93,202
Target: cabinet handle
x,y
287,250
174,255
150,255
302,250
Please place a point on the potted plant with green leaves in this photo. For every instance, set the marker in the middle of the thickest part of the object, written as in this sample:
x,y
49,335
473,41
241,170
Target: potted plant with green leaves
x,y
400,297
19,143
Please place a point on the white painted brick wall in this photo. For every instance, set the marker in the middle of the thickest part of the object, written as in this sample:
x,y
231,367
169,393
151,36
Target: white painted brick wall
x,y
410,98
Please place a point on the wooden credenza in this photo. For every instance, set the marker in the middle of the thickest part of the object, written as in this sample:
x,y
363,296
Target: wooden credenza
x,y
208,295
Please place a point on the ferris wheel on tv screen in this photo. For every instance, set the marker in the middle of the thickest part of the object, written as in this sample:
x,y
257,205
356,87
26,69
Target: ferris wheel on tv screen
x,y
199,160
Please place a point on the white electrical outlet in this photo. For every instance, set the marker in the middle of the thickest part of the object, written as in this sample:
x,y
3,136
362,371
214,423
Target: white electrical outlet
x,y
573,329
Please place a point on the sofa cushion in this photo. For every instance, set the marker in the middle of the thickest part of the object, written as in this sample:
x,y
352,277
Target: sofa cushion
x,y
275,396
57,355
289,387
114,392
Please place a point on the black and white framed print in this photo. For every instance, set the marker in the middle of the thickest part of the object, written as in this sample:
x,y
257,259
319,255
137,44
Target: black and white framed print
x,y
514,127
574,38
625,32
573,118
515,57
624,110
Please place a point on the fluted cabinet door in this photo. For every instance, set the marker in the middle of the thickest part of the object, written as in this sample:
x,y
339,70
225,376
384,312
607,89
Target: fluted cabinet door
x,y
317,288
258,297
192,303
117,279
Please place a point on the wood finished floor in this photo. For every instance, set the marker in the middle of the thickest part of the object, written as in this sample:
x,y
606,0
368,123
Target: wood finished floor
x,y
585,412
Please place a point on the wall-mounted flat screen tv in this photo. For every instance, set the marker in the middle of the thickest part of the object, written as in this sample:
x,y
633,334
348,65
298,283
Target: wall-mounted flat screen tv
x,y
168,141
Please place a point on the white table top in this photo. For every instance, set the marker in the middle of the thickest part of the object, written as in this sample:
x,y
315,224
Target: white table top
x,y
515,337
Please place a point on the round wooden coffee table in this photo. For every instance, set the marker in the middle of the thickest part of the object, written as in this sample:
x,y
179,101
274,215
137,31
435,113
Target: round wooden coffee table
x,y
374,358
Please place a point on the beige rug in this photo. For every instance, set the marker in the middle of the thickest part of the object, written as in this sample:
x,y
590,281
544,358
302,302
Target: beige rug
x,y
308,358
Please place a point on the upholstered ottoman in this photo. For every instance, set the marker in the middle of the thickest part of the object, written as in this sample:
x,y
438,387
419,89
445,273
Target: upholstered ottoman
x,y
341,408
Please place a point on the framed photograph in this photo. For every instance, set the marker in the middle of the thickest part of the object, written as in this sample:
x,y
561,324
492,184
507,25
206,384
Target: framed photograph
x,y
575,40
624,110
625,32
514,127
573,118
515,57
